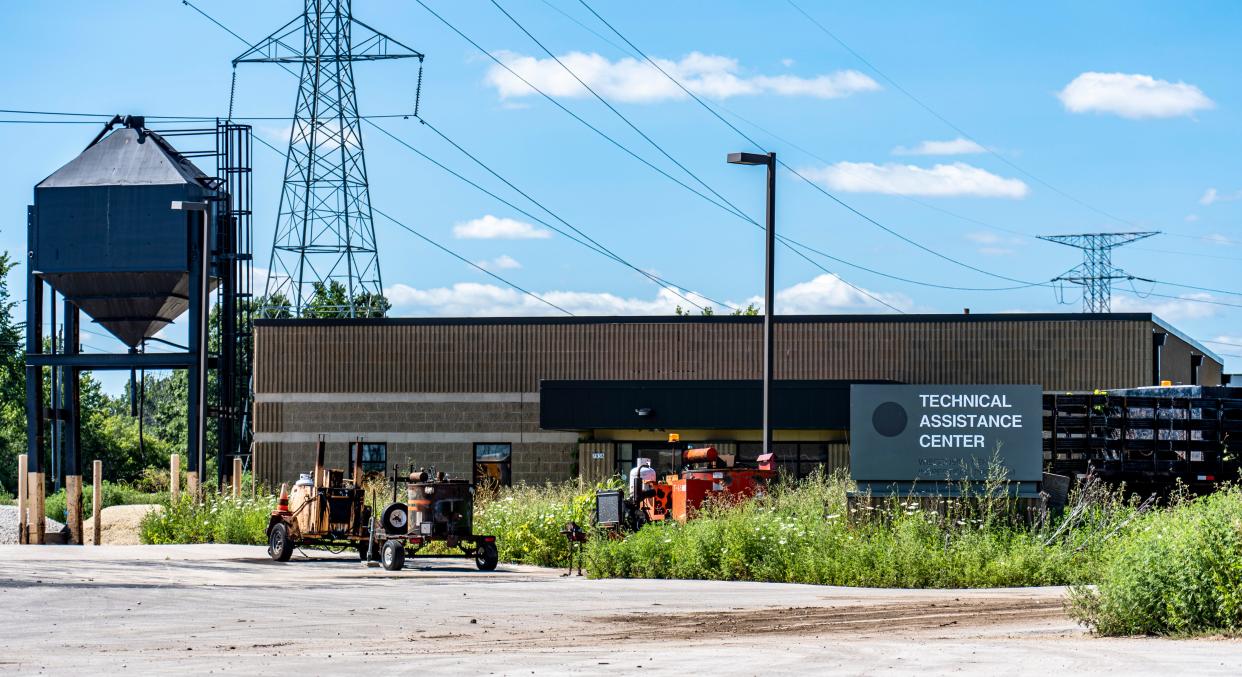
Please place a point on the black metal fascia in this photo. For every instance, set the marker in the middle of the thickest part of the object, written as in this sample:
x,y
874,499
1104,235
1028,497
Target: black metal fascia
x,y
113,361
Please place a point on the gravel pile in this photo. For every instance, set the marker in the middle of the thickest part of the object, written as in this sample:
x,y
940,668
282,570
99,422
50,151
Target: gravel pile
x,y
119,524
8,524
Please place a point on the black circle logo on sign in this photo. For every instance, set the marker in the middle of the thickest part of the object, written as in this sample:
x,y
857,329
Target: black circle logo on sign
x,y
889,419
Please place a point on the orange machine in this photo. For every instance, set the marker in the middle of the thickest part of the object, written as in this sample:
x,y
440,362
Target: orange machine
x,y
706,477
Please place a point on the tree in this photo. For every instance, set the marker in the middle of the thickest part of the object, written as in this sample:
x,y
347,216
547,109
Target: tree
x,y
332,300
707,311
12,384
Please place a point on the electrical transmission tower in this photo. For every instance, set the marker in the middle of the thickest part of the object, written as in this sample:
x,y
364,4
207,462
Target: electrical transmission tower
x,y
1096,272
324,246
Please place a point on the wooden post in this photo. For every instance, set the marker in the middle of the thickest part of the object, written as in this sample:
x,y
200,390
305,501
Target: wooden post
x,y
191,486
174,478
38,520
73,504
96,501
237,477
22,502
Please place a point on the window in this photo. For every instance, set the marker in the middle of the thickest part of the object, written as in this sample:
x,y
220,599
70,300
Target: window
x,y
493,464
374,457
625,458
798,459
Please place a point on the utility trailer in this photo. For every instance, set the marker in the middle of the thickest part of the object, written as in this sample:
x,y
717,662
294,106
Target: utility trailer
x,y
1151,439
328,511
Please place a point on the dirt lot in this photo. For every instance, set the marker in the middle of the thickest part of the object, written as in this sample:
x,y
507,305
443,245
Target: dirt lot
x,y
201,609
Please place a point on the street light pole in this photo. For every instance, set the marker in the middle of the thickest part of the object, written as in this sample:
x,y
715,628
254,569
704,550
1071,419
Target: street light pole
x,y
769,305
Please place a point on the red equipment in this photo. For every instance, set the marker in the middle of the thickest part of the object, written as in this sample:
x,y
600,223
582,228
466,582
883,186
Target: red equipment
x,y
705,478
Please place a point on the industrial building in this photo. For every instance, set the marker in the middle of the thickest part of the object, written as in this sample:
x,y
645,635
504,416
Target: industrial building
x,y
535,399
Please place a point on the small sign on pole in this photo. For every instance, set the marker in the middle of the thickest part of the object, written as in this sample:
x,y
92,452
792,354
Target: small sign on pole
x,y
674,437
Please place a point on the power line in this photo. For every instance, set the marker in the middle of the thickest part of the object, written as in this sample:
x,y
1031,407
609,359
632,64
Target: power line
x,y
179,118
601,248
463,259
629,152
446,249
477,46
384,214
614,110
659,280
905,196
808,181
947,122
569,112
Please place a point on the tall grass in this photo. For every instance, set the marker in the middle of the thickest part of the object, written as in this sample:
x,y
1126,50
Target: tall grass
x,y
806,532
1177,571
527,520
217,519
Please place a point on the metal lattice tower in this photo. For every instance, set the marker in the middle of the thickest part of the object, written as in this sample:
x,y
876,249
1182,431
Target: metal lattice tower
x,y
325,237
1096,272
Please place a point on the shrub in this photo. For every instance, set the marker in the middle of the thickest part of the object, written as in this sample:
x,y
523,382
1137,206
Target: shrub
x,y
527,520
1178,571
218,519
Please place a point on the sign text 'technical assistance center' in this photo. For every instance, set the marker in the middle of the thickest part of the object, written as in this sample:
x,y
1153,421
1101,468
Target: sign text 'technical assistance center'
x,y
958,421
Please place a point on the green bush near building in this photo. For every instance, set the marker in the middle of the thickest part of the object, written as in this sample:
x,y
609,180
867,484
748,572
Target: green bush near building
x,y
1178,571
217,519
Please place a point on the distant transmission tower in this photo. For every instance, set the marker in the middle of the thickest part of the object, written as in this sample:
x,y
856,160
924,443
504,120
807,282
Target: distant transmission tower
x,y
1096,273
325,238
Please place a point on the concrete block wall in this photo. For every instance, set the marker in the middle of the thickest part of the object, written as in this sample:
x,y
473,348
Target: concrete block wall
x,y
427,430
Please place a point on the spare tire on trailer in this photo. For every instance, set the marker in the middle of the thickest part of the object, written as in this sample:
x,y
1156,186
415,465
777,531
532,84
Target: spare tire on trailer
x,y
279,545
396,519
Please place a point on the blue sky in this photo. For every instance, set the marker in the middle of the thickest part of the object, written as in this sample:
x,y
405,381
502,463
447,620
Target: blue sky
x,y
1130,108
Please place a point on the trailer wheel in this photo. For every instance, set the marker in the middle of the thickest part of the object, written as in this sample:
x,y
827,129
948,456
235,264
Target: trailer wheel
x,y
486,557
393,557
278,544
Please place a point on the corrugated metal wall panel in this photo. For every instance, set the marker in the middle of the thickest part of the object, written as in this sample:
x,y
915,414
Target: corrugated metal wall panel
x,y
593,469
508,357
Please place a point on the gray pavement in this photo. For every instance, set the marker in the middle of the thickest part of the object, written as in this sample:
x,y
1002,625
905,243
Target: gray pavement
x,y
228,609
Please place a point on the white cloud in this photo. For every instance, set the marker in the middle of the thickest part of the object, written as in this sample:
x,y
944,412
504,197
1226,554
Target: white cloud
x,y
824,294
497,228
1212,196
1174,310
1191,218
942,180
634,81
788,63
502,262
1132,95
828,294
993,244
958,146
1217,238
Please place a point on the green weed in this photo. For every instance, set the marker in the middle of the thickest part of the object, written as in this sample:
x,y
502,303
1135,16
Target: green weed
x,y
1177,571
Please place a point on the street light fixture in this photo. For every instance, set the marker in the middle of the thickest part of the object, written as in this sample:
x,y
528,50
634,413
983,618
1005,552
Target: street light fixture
x,y
768,160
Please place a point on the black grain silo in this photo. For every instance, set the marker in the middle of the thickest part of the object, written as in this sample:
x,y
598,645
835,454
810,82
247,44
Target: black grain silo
x,y
131,233
106,238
